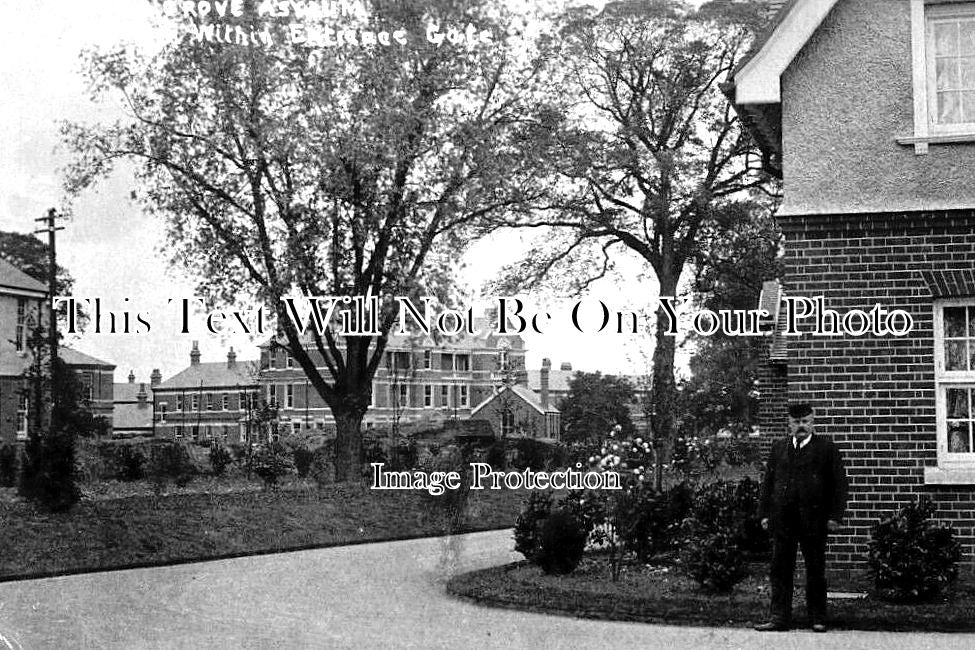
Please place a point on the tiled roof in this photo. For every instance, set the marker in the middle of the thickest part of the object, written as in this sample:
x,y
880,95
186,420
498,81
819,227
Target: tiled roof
x,y
13,364
558,380
521,391
130,416
213,374
75,358
13,278
126,392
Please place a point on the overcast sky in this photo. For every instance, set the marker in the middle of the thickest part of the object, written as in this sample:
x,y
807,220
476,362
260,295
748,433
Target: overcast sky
x,y
115,252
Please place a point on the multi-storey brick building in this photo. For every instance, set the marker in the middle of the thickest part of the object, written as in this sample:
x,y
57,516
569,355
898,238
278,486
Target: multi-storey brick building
x,y
420,382
208,401
866,108
23,305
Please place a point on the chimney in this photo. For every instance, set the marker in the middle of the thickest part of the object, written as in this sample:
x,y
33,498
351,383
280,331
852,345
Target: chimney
x,y
543,377
155,378
131,376
142,396
566,366
231,358
195,354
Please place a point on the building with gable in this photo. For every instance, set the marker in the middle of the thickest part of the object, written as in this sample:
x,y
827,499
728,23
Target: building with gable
x,y
866,110
208,401
23,305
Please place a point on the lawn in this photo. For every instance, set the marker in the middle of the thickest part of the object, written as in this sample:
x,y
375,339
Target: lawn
x,y
660,594
103,532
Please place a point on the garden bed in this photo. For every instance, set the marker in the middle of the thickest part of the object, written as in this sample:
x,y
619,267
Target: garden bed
x,y
147,530
660,594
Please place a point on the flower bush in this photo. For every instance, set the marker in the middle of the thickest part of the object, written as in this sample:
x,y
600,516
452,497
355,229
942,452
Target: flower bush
x,y
910,558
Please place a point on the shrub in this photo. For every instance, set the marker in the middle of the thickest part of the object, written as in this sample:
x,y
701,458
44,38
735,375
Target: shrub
x,y
48,470
220,458
170,462
653,520
561,542
8,466
494,455
530,453
270,463
714,560
910,558
303,458
732,508
528,525
723,523
238,450
404,455
129,463
323,464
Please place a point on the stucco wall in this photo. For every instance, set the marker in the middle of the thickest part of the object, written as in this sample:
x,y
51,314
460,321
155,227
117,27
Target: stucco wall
x,y
845,99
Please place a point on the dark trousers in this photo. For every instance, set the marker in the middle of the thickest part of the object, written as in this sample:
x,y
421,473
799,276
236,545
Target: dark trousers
x,y
784,544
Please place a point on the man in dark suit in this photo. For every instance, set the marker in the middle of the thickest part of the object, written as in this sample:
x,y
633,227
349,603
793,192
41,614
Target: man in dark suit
x,y
804,495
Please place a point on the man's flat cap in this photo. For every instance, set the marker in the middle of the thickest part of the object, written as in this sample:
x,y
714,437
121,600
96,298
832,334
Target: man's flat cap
x,y
799,410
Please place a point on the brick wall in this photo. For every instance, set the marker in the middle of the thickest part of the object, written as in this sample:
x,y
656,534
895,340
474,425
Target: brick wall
x,y
875,396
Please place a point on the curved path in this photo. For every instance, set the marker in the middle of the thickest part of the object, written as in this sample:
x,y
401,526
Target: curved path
x,y
386,595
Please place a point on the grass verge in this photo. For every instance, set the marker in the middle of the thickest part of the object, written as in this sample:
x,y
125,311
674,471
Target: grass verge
x,y
151,530
663,595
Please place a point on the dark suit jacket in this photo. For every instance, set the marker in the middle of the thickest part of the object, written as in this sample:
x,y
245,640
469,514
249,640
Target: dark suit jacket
x,y
821,485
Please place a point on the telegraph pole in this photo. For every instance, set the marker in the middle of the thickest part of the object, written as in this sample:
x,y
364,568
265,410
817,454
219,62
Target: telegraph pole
x,y
52,270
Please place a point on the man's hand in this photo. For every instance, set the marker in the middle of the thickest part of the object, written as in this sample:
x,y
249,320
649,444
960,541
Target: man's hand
x,y
765,523
832,525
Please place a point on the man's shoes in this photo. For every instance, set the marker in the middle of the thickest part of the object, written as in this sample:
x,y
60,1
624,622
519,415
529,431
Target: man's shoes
x,y
772,626
819,626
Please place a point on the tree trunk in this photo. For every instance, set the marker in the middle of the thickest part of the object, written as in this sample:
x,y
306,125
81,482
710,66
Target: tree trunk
x,y
663,420
348,444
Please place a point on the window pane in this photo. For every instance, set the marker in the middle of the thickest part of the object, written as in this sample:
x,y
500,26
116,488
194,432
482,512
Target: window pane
x,y
955,322
959,441
946,39
948,74
968,107
949,109
955,355
957,403
967,71
966,37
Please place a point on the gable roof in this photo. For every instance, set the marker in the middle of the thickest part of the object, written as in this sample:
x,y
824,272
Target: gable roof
x,y
214,374
129,392
757,79
74,358
523,392
756,90
13,278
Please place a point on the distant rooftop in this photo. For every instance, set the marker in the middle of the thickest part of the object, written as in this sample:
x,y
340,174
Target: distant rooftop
x,y
13,278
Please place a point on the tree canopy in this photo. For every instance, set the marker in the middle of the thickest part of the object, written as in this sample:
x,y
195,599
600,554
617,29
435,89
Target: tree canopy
x,y
594,405
649,150
353,170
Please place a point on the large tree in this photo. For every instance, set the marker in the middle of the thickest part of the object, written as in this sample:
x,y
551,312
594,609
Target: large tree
x,y
649,152
343,170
